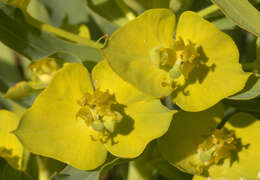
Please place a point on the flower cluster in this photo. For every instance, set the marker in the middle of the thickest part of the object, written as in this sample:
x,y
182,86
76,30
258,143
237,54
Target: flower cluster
x,y
79,116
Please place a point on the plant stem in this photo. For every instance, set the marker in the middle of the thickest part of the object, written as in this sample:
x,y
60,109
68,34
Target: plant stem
x,y
206,11
61,33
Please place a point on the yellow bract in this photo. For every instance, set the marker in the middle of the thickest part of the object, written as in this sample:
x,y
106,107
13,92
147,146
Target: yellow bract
x,y
245,160
193,66
10,147
76,123
185,143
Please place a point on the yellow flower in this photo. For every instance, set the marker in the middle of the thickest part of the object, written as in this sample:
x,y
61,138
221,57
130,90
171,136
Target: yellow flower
x,y
198,64
75,123
41,73
10,147
228,153
179,146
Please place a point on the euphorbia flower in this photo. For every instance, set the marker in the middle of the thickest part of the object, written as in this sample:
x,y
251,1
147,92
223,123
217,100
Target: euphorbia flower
x,y
10,147
75,123
41,73
203,149
198,64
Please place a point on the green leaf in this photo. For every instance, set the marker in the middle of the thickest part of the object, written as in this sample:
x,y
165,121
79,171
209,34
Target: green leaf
x,y
110,10
155,3
245,163
223,24
73,11
241,13
141,5
49,167
106,167
169,171
71,173
106,26
242,105
12,106
150,164
251,90
34,44
71,14
9,72
9,173
37,9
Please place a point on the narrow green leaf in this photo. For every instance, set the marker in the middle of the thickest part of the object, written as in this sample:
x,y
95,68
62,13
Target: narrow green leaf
x,y
34,44
150,164
106,26
242,105
71,173
223,24
72,11
71,14
9,173
141,5
9,66
251,90
49,167
110,10
167,170
155,4
12,106
241,13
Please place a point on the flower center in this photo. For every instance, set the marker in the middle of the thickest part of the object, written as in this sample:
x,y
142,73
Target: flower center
x,y
216,147
43,70
177,60
99,112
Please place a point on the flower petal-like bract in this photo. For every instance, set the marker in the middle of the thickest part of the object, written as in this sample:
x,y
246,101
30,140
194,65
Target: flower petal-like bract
x,y
221,55
76,123
195,66
10,147
128,50
146,118
245,163
50,127
179,145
